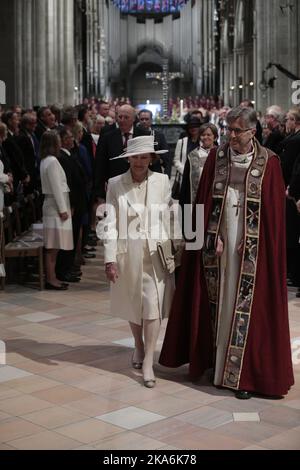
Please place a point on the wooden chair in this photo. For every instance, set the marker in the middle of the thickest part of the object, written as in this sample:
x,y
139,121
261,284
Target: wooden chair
x,y
21,245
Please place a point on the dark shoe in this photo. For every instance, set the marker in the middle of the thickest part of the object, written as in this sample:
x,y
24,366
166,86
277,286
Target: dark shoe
x,y
49,286
76,273
243,395
89,255
298,292
68,278
89,248
92,242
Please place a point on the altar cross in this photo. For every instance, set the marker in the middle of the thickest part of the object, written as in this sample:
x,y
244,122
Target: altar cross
x,y
165,77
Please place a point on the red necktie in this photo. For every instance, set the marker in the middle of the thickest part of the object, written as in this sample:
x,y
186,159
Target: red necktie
x,y
126,138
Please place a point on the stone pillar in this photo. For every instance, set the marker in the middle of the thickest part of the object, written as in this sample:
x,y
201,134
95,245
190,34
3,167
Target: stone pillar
x,y
27,53
61,51
19,52
39,79
69,71
51,52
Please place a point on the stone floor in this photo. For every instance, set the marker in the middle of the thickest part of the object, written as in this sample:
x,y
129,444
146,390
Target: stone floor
x,y
66,383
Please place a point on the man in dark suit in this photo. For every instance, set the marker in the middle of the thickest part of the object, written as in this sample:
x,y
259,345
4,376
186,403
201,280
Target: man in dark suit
x,y
13,151
46,121
163,165
274,119
78,201
28,142
110,145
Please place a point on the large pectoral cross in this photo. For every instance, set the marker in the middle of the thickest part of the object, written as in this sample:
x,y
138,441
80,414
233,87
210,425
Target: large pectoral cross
x,y
238,206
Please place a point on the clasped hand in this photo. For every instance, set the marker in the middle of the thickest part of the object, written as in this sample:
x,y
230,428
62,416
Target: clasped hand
x,y
111,271
220,247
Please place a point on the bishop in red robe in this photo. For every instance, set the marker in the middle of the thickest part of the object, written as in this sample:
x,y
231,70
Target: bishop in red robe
x,y
230,308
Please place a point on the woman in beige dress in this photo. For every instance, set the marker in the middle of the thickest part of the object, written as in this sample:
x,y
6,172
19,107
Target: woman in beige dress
x,y
57,219
141,290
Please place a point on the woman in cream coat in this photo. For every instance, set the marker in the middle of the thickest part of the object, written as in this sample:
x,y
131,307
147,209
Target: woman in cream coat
x,y
141,291
57,221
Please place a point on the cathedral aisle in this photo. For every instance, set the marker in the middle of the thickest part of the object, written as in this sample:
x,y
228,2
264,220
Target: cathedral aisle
x,y
66,383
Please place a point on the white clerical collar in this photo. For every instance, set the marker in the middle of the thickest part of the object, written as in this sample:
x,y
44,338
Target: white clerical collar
x,y
66,151
241,158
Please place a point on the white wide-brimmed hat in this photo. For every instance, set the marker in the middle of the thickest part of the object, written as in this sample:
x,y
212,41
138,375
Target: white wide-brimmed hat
x,y
139,146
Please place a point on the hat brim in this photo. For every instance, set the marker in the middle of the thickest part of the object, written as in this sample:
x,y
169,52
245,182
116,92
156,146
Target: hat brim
x,y
132,154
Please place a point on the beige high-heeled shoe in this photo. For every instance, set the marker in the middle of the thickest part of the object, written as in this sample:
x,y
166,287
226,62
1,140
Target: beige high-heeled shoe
x,y
150,383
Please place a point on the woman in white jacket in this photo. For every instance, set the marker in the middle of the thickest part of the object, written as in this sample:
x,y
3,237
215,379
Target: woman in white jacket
x,y
141,290
57,220
186,145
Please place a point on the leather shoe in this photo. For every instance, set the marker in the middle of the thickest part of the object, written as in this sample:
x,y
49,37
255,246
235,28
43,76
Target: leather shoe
x,y
90,249
243,395
150,383
92,242
89,255
68,278
49,286
76,272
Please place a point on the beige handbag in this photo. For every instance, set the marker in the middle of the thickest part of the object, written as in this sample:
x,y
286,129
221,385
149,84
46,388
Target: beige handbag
x,y
166,254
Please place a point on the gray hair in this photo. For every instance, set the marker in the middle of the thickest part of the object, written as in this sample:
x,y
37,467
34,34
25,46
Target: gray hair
x,y
248,116
27,119
275,111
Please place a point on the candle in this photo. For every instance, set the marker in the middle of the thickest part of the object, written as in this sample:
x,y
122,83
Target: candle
x,y
181,108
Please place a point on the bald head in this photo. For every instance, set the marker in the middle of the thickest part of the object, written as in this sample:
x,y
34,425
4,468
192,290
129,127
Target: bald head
x,y
126,117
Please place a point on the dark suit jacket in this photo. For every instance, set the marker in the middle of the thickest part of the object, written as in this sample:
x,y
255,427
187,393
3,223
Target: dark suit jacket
x,y
273,141
30,160
164,164
16,159
76,182
289,154
40,129
294,190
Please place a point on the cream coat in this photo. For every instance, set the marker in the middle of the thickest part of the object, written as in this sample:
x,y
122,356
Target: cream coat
x,y
126,293
54,181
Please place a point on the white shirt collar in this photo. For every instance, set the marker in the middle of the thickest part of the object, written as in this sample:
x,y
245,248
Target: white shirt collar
x,y
66,151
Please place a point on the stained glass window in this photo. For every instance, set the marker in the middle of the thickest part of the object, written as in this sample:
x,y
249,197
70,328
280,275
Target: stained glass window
x,y
149,6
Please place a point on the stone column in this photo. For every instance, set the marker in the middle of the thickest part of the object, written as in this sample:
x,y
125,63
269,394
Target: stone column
x,y
61,51
51,54
19,52
39,79
27,53
69,70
